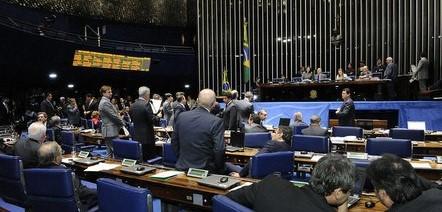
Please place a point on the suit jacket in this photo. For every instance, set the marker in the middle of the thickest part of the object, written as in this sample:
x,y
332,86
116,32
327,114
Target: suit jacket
x,y
48,108
91,106
318,131
142,117
346,113
429,200
422,69
167,110
179,108
4,114
244,108
73,115
27,150
276,194
390,72
198,141
111,122
269,147
250,128
229,117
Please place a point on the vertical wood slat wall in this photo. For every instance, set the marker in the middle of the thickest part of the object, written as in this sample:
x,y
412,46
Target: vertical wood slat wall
x,y
285,34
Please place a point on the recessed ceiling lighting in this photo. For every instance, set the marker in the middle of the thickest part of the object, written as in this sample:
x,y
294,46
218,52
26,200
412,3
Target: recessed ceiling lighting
x,y
186,86
70,85
52,75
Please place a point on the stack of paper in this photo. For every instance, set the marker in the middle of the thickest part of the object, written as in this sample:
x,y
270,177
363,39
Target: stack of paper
x,y
166,174
101,167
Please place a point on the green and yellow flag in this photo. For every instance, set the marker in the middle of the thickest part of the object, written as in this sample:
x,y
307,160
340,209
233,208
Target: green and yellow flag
x,y
246,57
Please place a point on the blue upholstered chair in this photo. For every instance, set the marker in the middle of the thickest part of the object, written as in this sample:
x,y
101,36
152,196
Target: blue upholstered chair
x,y
268,163
127,149
401,133
50,135
169,155
11,177
297,130
379,146
89,124
68,141
84,123
222,203
256,139
131,130
24,135
340,131
114,196
310,143
44,196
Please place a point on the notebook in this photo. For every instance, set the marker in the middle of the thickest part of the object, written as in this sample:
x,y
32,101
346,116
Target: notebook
x,y
217,181
236,142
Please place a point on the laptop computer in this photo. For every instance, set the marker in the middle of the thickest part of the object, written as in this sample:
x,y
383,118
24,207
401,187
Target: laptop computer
x,y
236,142
284,122
137,169
416,125
358,188
219,181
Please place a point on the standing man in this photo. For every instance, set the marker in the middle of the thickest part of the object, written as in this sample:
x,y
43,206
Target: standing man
x,y
422,72
390,73
229,114
47,106
244,108
167,108
198,137
90,105
111,121
346,113
179,107
142,117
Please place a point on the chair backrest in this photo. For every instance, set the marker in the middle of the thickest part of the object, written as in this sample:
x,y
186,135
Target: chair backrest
x,y
117,196
221,203
50,135
340,131
169,155
256,139
297,130
89,124
268,163
379,146
11,180
401,133
51,190
127,149
83,123
67,138
310,143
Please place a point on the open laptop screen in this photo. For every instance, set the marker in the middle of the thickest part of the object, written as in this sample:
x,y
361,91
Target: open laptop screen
x,y
416,125
284,122
237,139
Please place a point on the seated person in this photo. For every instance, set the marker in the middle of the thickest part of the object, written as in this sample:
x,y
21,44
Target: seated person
x,y
365,73
315,127
319,75
49,156
280,142
254,125
27,148
95,117
332,179
399,188
307,74
55,124
341,76
297,120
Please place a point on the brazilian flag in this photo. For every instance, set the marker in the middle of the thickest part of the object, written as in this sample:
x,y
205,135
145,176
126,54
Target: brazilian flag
x,y
246,53
226,84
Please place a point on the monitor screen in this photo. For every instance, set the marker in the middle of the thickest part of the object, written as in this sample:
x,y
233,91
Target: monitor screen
x,y
416,125
237,139
284,122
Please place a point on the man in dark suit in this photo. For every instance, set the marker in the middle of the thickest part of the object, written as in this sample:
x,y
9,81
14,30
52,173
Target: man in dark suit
x,y
346,113
142,117
332,179
49,156
254,125
198,137
315,127
5,112
244,108
422,72
27,148
180,106
47,106
90,105
390,73
280,142
111,120
230,114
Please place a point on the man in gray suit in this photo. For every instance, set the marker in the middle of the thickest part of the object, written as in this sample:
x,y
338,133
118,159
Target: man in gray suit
x,y
111,120
315,127
422,72
244,108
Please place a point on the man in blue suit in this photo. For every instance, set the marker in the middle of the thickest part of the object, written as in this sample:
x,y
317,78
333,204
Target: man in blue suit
x,y
198,138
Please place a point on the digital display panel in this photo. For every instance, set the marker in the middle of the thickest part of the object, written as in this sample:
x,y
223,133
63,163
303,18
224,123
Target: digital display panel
x,y
92,59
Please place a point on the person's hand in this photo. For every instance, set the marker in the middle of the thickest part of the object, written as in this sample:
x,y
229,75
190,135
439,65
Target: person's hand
x,y
234,174
337,111
343,207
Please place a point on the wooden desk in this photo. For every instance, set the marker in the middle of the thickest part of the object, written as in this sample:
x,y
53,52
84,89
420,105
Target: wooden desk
x,y
360,205
97,138
178,189
241,157
434,136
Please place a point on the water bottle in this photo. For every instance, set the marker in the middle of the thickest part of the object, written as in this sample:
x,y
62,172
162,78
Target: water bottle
x,y
73,153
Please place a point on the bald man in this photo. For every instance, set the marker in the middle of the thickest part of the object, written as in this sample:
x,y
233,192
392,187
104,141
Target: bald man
x,y
315,127
198,138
